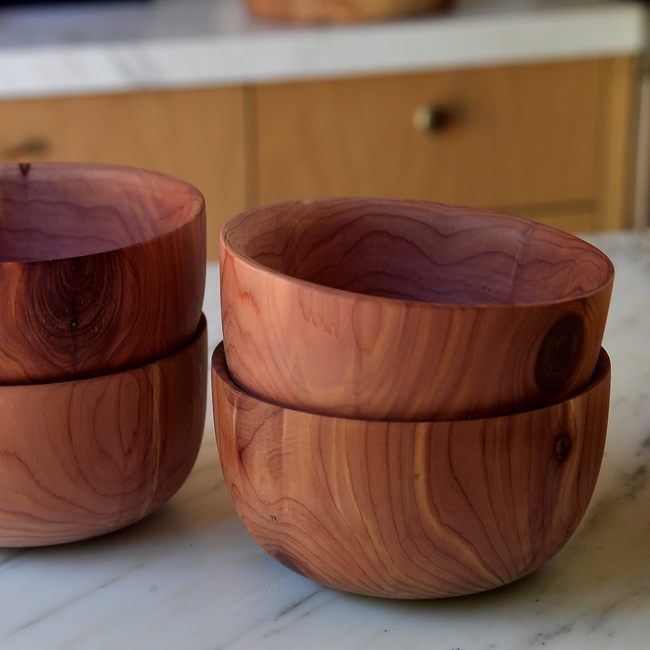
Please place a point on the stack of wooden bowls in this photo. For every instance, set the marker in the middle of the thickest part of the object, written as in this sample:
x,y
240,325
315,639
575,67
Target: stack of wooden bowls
x,y
102,347
411,399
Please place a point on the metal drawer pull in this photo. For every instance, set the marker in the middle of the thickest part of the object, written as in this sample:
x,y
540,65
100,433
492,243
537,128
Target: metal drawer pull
x,y
431,119
27,148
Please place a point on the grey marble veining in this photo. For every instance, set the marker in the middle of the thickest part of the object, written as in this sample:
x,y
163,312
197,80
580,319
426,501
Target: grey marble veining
x,y
190,577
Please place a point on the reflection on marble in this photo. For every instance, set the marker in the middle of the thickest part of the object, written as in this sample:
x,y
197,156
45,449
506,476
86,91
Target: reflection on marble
x,y
190,576
127,46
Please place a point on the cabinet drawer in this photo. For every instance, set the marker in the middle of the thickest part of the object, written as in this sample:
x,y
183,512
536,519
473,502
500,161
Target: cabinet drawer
x,y
197,135
512,135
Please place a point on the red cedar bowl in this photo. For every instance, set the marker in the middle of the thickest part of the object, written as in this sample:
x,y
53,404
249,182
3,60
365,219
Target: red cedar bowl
x,y
102,268
407,310
87,457
410,509
342,11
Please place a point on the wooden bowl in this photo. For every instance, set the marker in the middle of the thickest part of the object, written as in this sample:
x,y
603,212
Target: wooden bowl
x,y
102,268
410,509
90,456
406,310
342,11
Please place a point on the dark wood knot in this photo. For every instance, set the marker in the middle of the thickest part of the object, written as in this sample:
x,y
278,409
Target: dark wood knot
x,y
560,354
73,307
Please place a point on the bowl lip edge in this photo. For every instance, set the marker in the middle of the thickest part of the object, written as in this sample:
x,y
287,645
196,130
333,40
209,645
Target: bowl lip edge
x,y
196,341
227,248
196,212
601,375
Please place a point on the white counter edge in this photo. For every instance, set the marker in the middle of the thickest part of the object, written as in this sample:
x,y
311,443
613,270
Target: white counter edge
x,y
281,55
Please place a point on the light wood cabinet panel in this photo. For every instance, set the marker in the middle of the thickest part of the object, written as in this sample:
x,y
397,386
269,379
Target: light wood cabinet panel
x,y
197,135
617,116
534,139
576,217
549,141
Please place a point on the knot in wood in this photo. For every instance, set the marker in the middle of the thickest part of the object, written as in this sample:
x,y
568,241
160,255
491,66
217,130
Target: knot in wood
x,y
72,306
560,354
562,446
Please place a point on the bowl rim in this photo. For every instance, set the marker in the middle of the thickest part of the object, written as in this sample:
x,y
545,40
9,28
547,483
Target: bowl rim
x,y
195,203
227,245
219,367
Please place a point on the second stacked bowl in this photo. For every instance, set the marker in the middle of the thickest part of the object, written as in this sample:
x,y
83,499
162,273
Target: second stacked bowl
x,y
410,509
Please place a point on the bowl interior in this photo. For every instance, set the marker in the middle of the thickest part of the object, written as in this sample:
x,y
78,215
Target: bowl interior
x,y
419,251
56,211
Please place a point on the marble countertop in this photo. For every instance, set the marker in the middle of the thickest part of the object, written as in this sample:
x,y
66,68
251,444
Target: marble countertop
x,y
190,577
125,46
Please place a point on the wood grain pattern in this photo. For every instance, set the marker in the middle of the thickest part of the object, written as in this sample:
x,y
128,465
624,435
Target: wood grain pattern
x,y
197,134
410,510
400,310
86,457
342,11
102,268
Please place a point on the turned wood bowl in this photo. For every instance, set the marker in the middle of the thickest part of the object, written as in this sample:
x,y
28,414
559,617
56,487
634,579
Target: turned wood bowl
x,y
102,268
407,310
342,11
86,457
410,509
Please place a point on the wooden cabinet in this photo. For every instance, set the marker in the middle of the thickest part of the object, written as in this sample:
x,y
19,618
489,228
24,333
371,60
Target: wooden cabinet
x,y
537,140
197,135
549,141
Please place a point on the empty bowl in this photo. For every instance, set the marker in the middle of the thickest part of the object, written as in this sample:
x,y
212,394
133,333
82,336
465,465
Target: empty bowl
x,y
102,268
410,509
86,457
407,310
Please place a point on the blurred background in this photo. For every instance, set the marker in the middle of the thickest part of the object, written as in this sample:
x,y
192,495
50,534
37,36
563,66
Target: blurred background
x,y
536,108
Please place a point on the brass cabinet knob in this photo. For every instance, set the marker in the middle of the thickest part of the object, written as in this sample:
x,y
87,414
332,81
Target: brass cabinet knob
x,y
431,119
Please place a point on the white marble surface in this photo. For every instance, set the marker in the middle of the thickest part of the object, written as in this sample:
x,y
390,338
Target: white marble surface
x,y
126,46
190,577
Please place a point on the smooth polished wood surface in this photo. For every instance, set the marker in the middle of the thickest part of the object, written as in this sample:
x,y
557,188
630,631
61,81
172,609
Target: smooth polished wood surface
x,y
410,510
341,11
83,458
102,268
520,137
406,310
199,135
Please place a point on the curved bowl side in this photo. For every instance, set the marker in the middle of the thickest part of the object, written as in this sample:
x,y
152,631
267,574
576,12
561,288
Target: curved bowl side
x,y
410,510
346,353
87,457
102,312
